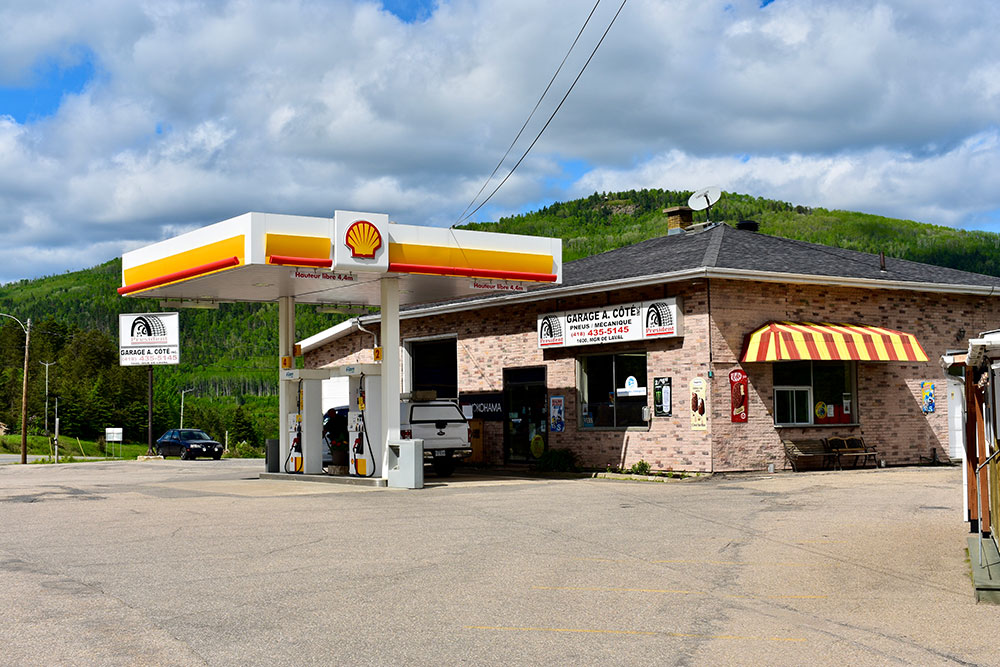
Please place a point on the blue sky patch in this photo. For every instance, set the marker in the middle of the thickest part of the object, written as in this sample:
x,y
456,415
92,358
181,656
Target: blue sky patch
x,y
50,80
410,11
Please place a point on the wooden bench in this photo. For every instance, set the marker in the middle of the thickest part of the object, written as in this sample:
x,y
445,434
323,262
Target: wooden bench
x,y
852,448
797,450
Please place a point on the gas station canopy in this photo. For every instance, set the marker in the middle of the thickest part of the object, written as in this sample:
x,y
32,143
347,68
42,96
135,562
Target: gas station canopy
x,y
351,259
339,260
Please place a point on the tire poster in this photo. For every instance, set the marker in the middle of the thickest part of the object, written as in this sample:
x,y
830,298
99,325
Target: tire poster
x,y
557,414
663,404
699,413
738,390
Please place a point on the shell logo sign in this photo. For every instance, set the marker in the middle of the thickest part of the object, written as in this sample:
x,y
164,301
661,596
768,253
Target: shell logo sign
x,y
363,239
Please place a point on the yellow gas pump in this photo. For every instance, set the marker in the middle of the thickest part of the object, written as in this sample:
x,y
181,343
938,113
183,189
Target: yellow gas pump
x,y
361,447
295,458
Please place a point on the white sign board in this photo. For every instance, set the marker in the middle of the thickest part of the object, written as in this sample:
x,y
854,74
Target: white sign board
x,y
149,339
112,435
640,320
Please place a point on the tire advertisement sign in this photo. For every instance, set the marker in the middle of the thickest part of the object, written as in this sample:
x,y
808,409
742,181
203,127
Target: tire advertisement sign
x,y
557,414
149,339
623,322
738,385
663,405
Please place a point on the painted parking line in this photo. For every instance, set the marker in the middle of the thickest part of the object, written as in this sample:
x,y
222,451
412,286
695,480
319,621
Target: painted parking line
x,y
748,563
681,561
670,591
616,590
601,631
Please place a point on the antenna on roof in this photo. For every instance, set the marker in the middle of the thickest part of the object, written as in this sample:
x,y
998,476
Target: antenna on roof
x,y
704,198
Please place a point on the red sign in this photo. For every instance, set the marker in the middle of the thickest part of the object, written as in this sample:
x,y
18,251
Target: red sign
x,y
738,390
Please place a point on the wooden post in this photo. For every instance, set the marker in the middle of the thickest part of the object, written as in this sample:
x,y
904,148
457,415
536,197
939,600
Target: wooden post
x,y
971,450
983,489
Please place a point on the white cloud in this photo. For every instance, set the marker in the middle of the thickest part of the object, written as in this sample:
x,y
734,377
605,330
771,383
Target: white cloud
x,y
201,111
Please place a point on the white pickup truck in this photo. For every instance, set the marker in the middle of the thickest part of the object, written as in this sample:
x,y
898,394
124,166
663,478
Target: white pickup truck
x,y
443,428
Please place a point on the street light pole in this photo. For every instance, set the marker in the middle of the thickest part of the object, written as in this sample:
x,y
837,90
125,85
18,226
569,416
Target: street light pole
x,y
183,391
46,364
24,388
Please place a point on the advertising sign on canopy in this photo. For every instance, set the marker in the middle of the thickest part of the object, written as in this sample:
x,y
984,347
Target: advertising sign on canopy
x,y
622,322
149,339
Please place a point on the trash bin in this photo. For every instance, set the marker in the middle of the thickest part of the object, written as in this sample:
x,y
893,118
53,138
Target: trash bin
x,y
272,455
406,464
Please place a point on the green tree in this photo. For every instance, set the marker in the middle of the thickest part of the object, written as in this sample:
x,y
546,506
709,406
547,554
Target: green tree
x,y
242,428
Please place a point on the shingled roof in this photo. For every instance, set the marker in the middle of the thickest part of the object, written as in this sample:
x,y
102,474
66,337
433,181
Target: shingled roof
x,y
720,246
718,251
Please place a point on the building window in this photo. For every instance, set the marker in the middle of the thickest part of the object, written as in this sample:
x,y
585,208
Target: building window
x,y
814,392
434,366
613,390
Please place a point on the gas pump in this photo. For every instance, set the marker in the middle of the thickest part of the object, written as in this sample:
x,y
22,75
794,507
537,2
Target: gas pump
x,y
295,458
364,419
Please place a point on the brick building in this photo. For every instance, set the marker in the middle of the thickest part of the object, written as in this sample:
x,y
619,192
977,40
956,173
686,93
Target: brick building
x,y
633,355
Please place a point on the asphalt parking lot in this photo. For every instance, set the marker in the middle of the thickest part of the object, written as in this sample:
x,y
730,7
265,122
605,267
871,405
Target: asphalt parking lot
x,y
198,562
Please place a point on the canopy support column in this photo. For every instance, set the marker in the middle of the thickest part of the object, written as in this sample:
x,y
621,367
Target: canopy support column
x,y
390,368
286,390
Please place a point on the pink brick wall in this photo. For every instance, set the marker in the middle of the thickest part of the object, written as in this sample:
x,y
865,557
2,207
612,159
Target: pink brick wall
x,y
889,397
492,339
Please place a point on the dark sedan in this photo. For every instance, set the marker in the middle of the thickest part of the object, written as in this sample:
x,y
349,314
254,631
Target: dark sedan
x,y
188,443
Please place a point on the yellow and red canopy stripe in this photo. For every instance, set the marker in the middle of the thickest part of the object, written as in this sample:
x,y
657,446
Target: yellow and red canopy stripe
x,y
825,341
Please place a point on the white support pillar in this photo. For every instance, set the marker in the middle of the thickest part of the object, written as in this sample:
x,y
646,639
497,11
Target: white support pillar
x,y
287,391
390,368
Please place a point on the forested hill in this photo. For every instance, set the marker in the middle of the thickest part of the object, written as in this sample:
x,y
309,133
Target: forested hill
x,y
606,221
232,350
228,356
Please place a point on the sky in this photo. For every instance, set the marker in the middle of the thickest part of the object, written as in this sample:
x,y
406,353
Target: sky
x,y
124,122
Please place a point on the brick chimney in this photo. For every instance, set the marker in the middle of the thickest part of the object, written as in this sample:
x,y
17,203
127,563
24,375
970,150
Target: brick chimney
x,y
678,218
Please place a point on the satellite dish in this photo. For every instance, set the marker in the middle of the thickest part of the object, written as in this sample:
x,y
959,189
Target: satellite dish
x,y
704,198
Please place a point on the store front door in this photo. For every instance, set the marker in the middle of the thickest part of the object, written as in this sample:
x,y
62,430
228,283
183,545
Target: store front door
x,y
525,414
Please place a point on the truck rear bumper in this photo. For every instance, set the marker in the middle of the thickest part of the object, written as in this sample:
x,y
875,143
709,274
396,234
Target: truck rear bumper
x,y
454,452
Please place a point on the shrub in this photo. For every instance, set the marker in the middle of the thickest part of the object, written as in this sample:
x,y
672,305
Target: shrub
x,y
557,460
244,450
640,467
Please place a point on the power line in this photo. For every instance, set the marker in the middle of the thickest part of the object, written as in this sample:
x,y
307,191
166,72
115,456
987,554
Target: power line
x,y
530,115
540,132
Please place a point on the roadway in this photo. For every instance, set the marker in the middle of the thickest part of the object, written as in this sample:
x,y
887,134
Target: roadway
x,y
199,562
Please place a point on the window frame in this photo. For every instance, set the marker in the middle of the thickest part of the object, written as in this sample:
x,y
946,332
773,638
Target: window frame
x,y
852,367
580,391
793,389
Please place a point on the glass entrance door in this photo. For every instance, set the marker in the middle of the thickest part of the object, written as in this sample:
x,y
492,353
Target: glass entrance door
x,y
525,414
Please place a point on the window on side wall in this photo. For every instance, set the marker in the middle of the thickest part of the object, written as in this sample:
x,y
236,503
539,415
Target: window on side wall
x,y
814,392
613,390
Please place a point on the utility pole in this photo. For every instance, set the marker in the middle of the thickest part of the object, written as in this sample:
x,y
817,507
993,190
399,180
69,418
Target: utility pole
x,y
26,328
24,397
46,364
184,391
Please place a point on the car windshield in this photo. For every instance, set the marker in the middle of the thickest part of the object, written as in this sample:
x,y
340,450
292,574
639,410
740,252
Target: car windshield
x,y
193,434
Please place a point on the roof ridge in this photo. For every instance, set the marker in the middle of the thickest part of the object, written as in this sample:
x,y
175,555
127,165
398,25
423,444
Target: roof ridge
x,y
711,257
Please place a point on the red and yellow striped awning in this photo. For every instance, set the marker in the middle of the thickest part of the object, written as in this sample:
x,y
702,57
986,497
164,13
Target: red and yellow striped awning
x,y
795,341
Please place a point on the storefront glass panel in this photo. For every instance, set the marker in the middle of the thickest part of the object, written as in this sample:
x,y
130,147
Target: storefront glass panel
x,y
814,392
613,390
